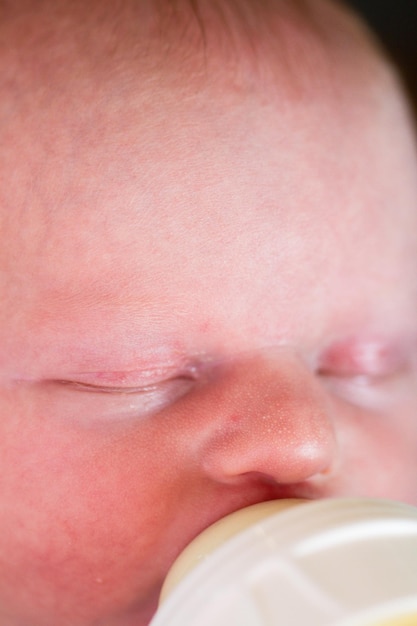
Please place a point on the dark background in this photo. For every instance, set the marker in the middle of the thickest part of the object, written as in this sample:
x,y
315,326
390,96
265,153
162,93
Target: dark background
x,y
395,21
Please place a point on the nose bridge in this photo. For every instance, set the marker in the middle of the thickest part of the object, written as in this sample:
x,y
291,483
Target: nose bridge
x,y
271,417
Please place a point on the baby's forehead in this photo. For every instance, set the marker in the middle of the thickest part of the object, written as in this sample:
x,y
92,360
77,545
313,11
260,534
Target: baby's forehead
x,y
70,68
90,108
290,44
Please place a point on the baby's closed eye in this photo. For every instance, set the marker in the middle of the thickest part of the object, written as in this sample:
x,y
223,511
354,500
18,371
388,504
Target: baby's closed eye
x,y
136,397
366,371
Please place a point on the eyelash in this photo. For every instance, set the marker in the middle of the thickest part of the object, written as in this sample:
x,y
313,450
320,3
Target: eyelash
x,y
90,388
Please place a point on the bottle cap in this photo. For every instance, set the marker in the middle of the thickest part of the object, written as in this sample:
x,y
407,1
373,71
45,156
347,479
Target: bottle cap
x,y
216,535
336,562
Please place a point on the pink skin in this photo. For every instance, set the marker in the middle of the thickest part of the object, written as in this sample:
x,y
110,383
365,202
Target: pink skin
x,y
256,277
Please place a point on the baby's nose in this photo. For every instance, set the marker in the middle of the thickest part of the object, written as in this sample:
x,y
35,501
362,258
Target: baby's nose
x,y
267,415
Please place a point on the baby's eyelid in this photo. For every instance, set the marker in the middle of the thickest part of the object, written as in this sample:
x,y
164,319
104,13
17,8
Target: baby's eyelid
x,y
370,360
133,380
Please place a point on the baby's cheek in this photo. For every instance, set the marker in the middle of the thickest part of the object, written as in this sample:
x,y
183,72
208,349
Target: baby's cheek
x,y
82,513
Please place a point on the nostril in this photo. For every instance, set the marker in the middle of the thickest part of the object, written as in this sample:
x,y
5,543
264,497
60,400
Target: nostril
x,y
243,457
259,478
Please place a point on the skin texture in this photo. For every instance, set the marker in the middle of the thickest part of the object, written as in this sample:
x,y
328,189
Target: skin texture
x,y
207,296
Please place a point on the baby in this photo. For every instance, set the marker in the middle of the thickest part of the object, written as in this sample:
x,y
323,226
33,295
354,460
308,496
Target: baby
x,y
208,288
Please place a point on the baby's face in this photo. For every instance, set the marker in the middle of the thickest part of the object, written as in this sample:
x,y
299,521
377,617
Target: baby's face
x,y
204,304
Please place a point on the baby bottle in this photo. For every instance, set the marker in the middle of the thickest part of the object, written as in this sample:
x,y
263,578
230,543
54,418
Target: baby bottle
x,y
338,562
